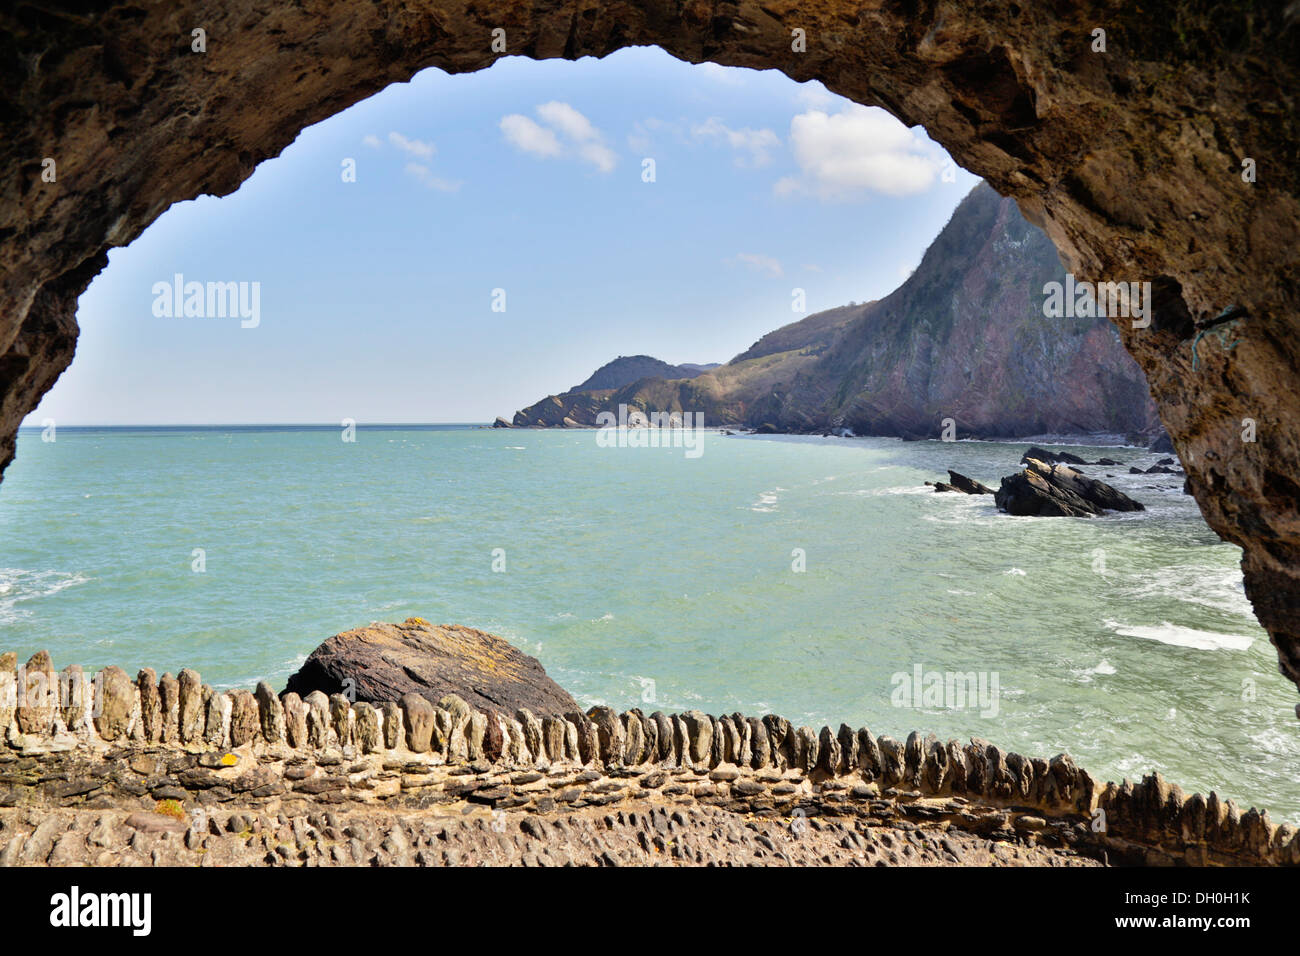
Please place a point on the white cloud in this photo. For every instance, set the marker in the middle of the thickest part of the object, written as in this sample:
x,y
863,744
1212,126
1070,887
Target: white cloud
x,y
425,175
760,263
757,143
566,132
567,120
857,151
599,155
415,147
417,170
524,134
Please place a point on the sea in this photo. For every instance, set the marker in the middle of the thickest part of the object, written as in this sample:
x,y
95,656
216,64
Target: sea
x,y
816,578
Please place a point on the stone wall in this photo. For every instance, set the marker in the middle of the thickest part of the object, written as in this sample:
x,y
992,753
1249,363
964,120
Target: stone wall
x,y
107,741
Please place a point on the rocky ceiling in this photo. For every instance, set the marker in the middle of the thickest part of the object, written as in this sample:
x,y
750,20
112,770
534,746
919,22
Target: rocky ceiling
x,y
1136,159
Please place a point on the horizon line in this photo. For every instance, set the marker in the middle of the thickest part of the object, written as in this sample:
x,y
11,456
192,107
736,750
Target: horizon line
x,y
246,424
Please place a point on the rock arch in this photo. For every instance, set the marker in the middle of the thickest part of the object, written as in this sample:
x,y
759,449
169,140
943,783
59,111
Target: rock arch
x,y
1131,159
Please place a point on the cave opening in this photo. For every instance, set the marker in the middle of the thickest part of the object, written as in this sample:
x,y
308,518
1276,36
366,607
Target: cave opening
x,y
257,456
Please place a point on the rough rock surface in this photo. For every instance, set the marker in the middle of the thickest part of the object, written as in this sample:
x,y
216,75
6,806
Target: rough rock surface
x,y
640,834
968,485
1132,160
1045,490
384,662
1053,457
295,757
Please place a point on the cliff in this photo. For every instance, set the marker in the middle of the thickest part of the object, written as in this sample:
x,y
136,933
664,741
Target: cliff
x,y
964,337
626,370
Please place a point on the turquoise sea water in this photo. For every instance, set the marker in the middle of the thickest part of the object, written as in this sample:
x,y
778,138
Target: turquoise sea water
x,y
639,573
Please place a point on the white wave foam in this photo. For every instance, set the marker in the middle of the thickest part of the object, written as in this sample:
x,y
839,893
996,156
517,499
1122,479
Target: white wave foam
x,y
1086,674
880,492
767,500
1177,636
1214,587
1015,571
18,585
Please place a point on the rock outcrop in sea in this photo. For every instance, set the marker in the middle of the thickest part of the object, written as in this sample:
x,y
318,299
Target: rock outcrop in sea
x,y
1045,490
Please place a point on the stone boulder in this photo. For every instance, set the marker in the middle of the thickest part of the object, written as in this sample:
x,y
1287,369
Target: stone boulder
x,y
1044,490
385,662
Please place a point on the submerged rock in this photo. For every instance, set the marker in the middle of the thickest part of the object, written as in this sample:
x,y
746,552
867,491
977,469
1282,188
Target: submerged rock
x,y
1045,490
386,662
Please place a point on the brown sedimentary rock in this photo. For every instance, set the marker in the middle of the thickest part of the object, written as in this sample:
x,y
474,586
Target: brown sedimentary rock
x,y
116,700
189,706
385,661
340,709
828,752
38,695
271,713
318,718
295,720
760,744
214,718
418,716
74,696
367,735
609,731
169,704
633,738
553,737
150,726
393,729
475,735
245,720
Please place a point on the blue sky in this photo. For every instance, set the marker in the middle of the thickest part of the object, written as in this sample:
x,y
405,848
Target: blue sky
x,y
376,296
